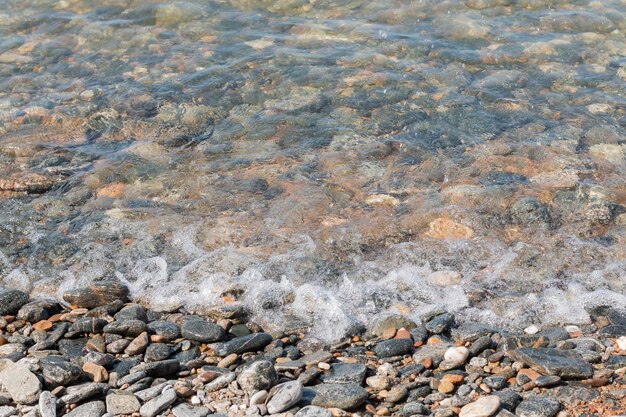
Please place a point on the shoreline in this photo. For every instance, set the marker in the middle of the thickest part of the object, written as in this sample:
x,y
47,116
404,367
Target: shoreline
x,y
107,355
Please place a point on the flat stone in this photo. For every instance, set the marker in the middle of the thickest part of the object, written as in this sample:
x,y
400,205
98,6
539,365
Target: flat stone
x,y
91,409
454,357
78,393
344,373
7,411
260,375
157,352
38,310
200,330
509,399
138,345
158,404
128,328
313,411
547,361
414,408
11,301
440,323
60,372
434,352
72,348
538,407
316,357
392,321
283,396
188,410
47,404
547,381
132,312
252,343
97,373
21,383
97,294
168,330
122,404
613,330
343,396
220,382
393,347
483,407
89,325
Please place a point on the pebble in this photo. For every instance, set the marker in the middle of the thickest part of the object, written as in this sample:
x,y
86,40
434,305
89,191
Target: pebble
x,y
564,363
483,407
283,396
454,357
260,375
250,343
200,330
97,373
117,404
90,409
98,294
11,301
129,328
538,406
343,396
138,344
157,352
313,411
156,405
344,373
23,386
47,404
440,323
393,347
188,410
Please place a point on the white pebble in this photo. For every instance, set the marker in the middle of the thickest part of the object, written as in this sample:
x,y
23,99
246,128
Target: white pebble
x,y
621,342
532,329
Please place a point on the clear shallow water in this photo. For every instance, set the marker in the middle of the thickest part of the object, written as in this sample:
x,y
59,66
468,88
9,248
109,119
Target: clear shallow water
x,y
319,161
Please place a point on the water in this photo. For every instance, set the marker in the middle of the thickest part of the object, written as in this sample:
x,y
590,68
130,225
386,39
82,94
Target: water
x,y
319,161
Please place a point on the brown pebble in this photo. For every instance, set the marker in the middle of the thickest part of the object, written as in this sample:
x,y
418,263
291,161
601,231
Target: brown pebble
x,y
529,385
427,362
596,382
389,333
3,340
529,373
453,378
445,387
370,408
403,334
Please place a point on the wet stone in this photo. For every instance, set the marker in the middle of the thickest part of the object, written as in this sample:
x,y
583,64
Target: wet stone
x,y
11,301
38,310
200,330
509,399
440,323
538,406
158,369
548,361
128,328
98,294
132,312
168,330
392,321
89,325
251,343
344,373
343,396
393,347
545,381
316,357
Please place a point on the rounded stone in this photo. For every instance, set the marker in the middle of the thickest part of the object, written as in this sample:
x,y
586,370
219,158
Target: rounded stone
x,y
483,407
284,396
200,330
260,375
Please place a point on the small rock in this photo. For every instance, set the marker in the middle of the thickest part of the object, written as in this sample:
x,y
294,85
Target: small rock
x,y
251,343
188,410
393,321
11,301
97,373
169,331
122,404
454,358
158,404
57,372
21,383
283,396
157,352
98,294
483,407
538,407
200,330
89,325
128,328
138,345
343,396
47,404
345,373
393,347
260,375
313,411
91,409
545,381
564,363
